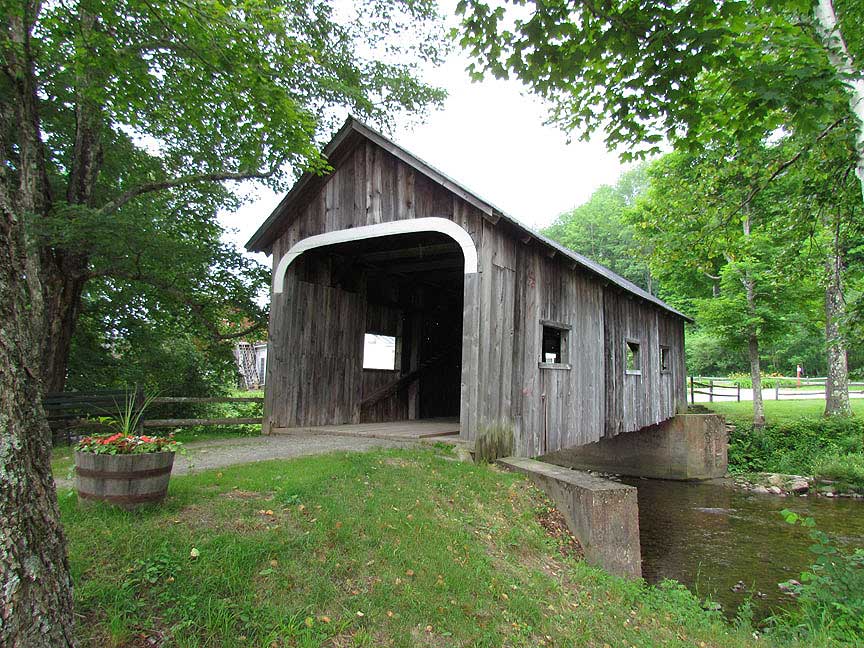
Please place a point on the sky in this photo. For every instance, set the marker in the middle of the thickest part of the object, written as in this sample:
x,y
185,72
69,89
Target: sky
x,y
490,137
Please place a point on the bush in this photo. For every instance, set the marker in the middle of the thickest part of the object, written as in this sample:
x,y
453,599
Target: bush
x,y
797,446
830,595
848,469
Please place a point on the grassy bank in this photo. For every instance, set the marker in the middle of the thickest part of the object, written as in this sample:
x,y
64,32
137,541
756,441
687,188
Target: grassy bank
x,y
798,440
391,548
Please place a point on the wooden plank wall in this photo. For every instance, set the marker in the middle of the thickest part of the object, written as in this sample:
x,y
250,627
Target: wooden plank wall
x,y
636,401
315,353
548,409
517,286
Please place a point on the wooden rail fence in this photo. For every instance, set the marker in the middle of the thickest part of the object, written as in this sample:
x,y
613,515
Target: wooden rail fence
x,y
189,422
67,411
790,387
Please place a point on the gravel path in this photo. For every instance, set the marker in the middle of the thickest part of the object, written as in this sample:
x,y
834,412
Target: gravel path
x,y
202,455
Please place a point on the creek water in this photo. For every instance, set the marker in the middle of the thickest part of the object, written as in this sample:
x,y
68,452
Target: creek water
x,y
709,537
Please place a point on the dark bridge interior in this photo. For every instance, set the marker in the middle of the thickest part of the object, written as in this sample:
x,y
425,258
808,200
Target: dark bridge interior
x,y
411,289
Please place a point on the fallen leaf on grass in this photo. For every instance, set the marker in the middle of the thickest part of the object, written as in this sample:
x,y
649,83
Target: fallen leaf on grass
x,y
194,553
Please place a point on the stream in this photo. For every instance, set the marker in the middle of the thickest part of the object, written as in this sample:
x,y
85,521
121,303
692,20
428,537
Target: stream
x,y
709,537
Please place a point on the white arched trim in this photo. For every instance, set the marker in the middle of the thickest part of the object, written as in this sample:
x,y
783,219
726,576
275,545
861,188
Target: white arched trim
x,y
409,226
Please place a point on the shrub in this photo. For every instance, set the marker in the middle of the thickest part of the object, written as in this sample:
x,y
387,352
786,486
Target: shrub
x,y
845,468
794,446
831,594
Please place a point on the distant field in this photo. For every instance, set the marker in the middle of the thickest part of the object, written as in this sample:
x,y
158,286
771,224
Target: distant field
x,y
778,411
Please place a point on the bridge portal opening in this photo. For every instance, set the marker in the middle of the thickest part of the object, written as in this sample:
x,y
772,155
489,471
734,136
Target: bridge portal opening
x,y
375,330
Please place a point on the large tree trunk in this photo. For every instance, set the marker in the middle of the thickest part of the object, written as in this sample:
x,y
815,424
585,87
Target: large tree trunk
x,y
842,61
837,382
64,277
35,585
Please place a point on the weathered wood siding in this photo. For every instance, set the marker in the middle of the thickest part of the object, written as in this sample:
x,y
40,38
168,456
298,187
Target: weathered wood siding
x,y
518,285
634,401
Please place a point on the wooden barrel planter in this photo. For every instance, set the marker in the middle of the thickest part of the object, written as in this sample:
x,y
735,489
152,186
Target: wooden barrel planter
x,y
127,480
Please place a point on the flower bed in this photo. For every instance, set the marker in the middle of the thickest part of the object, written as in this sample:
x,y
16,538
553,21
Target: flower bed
x,y
120,443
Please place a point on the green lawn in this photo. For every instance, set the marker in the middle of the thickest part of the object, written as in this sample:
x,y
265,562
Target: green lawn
x,y
779,411
390,548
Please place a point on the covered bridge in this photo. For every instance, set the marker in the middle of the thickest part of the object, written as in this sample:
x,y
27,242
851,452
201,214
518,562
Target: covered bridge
x,y
481,319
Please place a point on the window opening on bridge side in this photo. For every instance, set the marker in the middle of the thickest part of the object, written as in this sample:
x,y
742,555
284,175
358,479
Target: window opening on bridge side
x,y
555,345
633,359
379,351
665,359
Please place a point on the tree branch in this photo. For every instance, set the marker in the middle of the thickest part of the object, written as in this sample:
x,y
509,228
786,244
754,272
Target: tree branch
x,y
244,332
197,308
193,178
785,165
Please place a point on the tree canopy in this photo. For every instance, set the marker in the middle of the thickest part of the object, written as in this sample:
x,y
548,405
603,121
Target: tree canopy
x,y
128,119
674,71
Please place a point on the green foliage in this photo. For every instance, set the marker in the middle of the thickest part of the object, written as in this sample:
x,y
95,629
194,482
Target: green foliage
x,y
845,468
493,442
795,446
126,336
686,72
830,596
145,112
708,355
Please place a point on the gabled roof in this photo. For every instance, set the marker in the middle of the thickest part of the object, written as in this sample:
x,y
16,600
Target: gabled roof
x,y
354,131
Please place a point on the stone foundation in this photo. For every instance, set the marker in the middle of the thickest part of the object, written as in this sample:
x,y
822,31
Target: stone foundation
x,y
602,514
688,446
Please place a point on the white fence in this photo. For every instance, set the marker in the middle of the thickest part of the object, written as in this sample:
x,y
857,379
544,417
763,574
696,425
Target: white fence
x,y
710,388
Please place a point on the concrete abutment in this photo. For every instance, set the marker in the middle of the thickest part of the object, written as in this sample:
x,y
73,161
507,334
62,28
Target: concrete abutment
x,y
687,446
602,514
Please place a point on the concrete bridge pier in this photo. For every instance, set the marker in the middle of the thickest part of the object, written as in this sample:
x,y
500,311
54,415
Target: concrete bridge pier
x,y
604,514
686,447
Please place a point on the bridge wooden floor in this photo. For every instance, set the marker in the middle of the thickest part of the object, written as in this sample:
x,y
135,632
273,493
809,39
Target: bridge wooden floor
x,y
447,428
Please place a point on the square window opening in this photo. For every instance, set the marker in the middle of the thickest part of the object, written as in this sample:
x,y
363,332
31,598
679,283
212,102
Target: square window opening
x,y
665,359
379,352
633,360
554,347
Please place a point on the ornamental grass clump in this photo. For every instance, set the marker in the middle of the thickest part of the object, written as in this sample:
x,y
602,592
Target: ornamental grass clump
x,y
122,444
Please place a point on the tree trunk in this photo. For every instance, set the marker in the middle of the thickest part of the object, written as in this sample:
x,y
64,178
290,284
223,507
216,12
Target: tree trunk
x,y
35,585
64,277
753,341
756,379
753,354
837,382
842,61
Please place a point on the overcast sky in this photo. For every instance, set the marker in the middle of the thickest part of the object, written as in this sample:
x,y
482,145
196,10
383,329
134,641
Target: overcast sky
x,y
489,137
